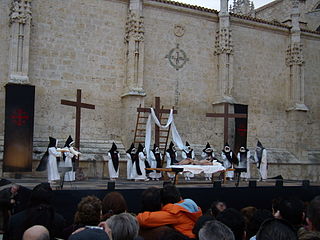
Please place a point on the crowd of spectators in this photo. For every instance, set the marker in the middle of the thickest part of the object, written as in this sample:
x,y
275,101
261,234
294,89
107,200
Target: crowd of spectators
x,y
164,215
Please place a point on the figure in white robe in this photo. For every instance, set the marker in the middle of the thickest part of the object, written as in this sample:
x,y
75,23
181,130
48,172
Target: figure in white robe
x,y
113,162
208,154
187,154
260,157
49,161
156,159
171,158
227,157
68,156
244,162
131,152
138,165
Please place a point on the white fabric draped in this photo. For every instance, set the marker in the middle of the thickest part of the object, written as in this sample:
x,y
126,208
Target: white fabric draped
x,y
175,135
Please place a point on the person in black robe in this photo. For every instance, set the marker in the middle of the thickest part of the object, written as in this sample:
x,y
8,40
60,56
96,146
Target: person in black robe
x,y
113,163
131,152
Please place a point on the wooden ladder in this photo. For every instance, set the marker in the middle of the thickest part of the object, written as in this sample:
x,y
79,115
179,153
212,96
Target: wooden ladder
x,y
140,131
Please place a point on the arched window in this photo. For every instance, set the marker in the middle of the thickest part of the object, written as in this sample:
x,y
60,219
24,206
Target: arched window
x,y
318,7
318,29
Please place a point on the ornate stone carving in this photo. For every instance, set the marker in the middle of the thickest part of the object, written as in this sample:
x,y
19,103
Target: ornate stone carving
x,y
179,30
294,54
134,27
244,7
20,11
223,42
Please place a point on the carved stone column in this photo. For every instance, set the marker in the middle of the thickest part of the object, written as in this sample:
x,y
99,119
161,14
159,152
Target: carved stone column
x,y
224,51
295,61
133,91
134,40
20,19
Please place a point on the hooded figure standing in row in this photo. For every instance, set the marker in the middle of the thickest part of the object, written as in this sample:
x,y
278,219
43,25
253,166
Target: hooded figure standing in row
x,y
244,162
49,161
208,154
138,166
131,152
260,157
156,158
113,162
171,157
228,160
187,155
68,156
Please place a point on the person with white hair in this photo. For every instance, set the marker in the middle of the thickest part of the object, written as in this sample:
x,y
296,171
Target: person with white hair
x,y
36,232
215,230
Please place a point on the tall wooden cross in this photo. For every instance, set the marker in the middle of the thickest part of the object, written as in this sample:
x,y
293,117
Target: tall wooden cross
x,y
157,111
226,115
78,104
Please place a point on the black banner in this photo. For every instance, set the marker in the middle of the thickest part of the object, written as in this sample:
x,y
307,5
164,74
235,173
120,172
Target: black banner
x,y
241,127
18,132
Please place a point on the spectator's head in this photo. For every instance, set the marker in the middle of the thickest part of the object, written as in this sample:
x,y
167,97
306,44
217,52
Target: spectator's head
x,y
215,230
255,222
247,213
88,211
309,235
36,232
123,226
313,214
200,223
88,233
235,221
113,203
291,210
170,194
217,207
14,189
151,200
41,194
40,210
276,229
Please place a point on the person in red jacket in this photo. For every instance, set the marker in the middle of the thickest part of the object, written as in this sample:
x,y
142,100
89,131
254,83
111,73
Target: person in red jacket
x,y
176,212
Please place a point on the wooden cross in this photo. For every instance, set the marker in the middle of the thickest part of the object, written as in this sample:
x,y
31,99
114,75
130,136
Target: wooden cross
x,y
78,104
226,115
157,111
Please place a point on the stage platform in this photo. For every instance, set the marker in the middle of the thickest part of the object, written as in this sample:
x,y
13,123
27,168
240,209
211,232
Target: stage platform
x,y
201,191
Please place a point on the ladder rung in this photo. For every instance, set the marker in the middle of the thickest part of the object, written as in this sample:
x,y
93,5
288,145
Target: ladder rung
x,y
139,141
164,130
140,135
143,117
141,123
139,129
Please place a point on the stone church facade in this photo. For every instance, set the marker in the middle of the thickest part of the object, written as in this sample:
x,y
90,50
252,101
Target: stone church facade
x,y
122,53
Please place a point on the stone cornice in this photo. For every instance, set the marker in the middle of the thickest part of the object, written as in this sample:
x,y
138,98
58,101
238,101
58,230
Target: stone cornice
x,y
259,20
187,6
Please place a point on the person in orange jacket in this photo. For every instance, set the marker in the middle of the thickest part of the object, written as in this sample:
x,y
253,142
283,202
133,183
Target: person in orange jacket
x,y
180,214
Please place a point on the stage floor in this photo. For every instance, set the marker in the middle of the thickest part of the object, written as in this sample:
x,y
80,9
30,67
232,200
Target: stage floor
x,y
98,183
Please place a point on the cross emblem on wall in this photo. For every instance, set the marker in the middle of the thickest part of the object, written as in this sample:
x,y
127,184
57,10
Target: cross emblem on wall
x,y
177,57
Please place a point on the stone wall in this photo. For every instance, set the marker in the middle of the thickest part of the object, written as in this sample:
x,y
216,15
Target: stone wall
x,y
77,45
